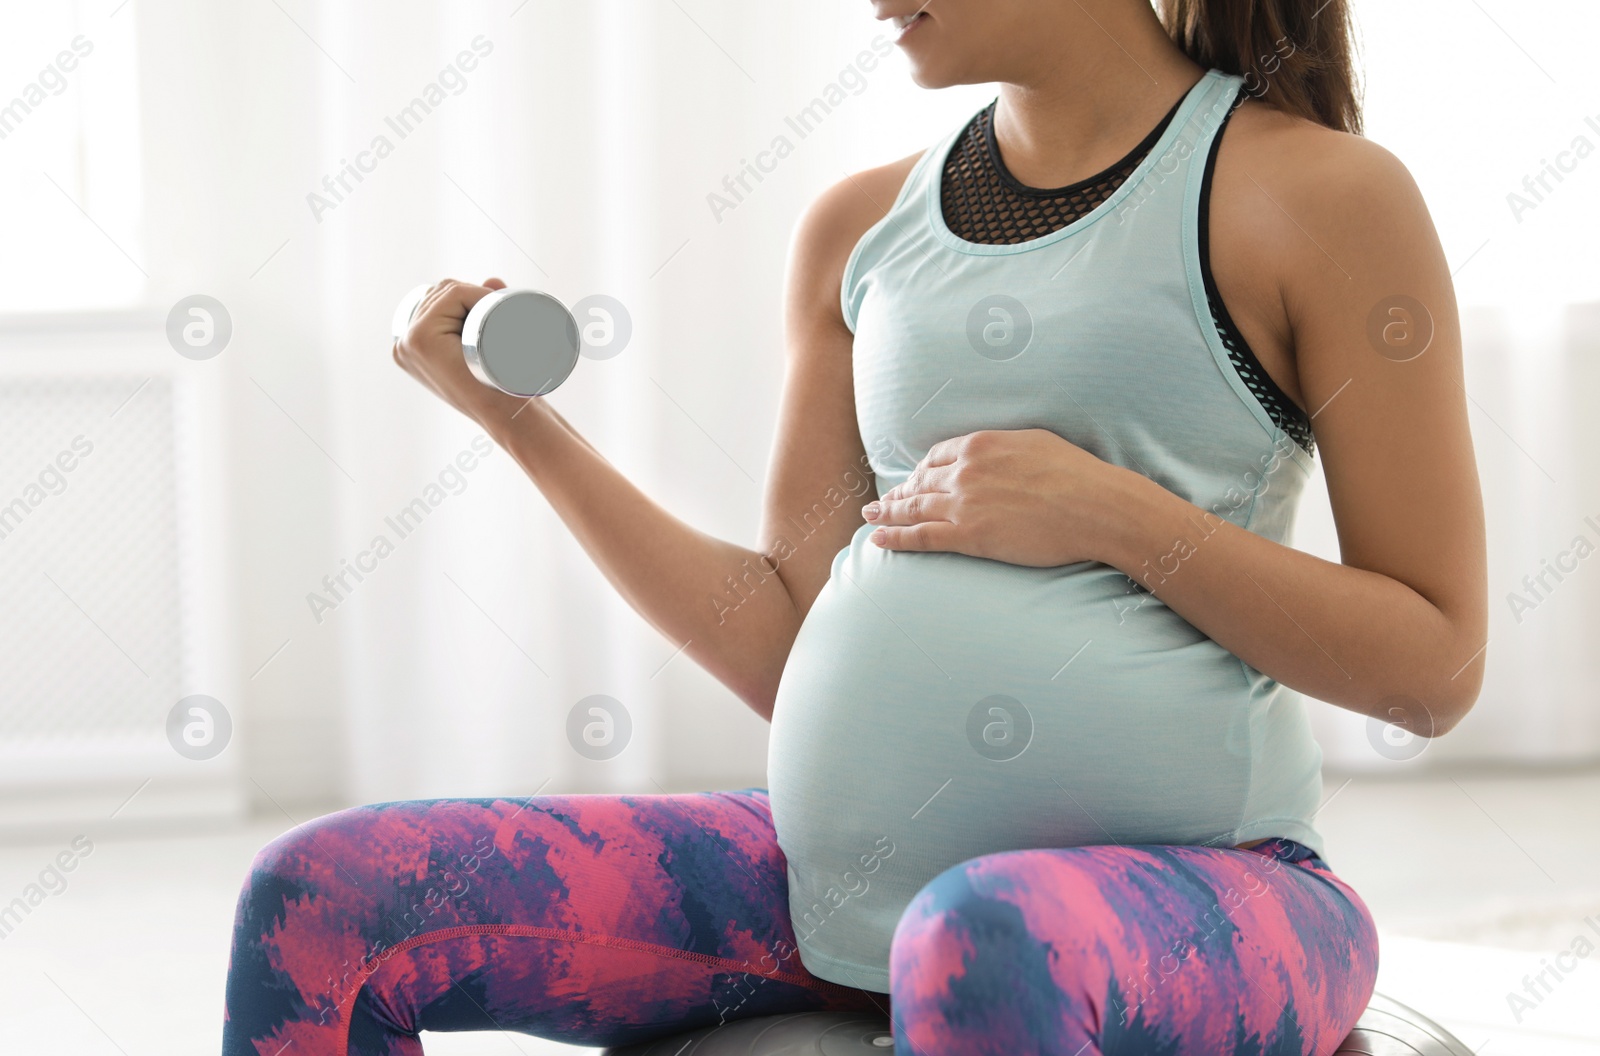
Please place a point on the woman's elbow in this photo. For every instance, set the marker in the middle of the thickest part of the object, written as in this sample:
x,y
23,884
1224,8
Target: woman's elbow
x,y
1453,698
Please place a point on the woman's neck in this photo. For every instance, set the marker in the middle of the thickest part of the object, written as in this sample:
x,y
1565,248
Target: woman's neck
x,y
1112,78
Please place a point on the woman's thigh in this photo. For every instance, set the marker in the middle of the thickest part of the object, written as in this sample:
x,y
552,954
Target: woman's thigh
x,y
1123,950
588,919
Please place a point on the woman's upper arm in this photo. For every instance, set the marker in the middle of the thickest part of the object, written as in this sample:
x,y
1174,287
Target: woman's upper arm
x,y
819,477
1377,346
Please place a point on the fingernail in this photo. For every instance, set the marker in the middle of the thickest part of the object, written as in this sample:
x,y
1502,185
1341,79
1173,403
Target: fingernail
x,y
880,536
871,510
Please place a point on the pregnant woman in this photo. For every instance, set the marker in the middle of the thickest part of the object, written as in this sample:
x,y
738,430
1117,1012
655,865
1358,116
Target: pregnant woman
x,y
1041,779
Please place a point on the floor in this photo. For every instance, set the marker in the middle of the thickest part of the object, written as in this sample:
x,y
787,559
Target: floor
x,y
1478,884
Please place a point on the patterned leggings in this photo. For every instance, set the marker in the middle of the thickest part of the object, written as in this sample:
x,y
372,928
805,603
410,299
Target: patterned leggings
x,y
605,920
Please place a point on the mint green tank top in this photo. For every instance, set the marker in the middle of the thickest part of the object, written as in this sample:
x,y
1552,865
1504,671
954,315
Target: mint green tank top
x,y
937,707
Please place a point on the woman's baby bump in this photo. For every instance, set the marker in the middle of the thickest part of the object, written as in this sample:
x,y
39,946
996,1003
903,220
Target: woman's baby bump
x,y
984,684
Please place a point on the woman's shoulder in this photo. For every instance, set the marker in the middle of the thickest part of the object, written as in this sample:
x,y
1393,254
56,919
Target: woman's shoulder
x,y
1315,174
1311,227
829,228
842,213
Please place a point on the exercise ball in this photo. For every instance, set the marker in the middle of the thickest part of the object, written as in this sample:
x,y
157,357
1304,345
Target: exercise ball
x,y
1386,1028
796,1034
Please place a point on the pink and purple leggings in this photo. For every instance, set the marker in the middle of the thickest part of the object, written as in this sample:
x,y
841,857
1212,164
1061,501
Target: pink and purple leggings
x,y
606,919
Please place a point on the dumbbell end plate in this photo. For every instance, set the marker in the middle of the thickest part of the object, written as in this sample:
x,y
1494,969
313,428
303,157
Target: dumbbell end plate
x,y
523,342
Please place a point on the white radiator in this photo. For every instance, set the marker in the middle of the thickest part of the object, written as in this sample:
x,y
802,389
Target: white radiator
x,y
113,579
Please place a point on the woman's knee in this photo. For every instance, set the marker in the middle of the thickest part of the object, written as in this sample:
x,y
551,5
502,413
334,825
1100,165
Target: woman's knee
x,y
294,854
973,919
969,967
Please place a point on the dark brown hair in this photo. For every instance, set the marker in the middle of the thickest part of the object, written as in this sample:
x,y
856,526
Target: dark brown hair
x,y
1297,55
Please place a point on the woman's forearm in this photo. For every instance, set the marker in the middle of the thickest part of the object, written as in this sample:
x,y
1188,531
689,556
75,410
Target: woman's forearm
x,y
723,603
1351,637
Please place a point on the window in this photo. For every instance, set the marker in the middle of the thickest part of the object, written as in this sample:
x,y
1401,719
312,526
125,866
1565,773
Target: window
x,y
70,158
1495,108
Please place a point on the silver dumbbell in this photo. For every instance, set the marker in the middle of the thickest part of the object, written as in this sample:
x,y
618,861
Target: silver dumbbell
x,y
523,342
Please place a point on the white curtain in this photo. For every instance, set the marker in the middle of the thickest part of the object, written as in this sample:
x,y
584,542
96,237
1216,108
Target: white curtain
x,y
1532,381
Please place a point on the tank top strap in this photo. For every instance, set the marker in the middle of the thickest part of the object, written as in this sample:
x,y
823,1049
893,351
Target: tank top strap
x,y
1165,185
1219,94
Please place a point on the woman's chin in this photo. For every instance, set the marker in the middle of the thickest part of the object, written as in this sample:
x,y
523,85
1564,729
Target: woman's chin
x,y
933,76
932,71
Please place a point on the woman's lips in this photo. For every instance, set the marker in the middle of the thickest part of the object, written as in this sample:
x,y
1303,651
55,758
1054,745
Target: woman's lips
x,y
909,23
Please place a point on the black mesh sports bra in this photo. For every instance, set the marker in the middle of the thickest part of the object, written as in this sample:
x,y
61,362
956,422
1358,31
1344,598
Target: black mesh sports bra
x,y
982,202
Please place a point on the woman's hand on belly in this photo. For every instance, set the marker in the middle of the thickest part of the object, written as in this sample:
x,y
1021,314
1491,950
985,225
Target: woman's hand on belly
x,y
1023,496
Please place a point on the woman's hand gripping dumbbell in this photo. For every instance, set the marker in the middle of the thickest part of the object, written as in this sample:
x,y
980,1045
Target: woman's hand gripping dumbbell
x,y
485,349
